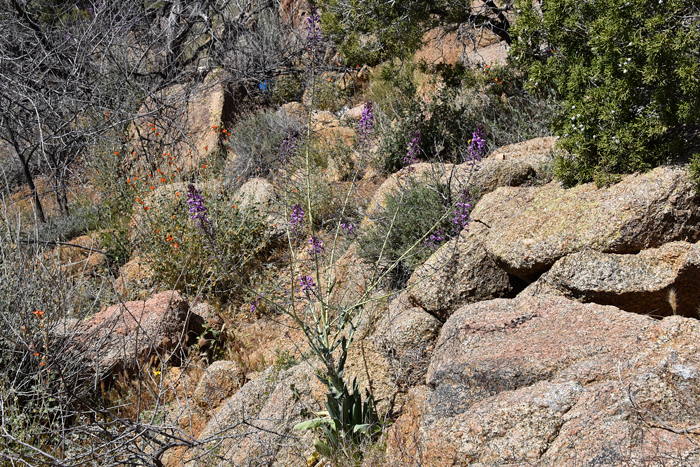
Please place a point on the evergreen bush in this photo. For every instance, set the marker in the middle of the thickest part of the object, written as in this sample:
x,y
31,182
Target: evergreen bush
x,y
627,73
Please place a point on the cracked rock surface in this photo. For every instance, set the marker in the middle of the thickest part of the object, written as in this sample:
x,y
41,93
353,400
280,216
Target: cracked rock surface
x,y
532,228
550,381
658,281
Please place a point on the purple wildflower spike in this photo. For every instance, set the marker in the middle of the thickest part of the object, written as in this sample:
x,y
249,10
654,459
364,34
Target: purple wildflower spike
x,y
297,217
307,285
477,148
348,228
198,211
413,151
366,122
288,147
256,303
435,239
316,247
462,210
314,36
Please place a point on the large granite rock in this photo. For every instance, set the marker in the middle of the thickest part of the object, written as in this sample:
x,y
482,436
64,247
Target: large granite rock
x,y
220,381
458,273
531,228
125,336
330,130
255,426
352,277
514,165
135,278
177,131
659,281
548,381
406,338
257,194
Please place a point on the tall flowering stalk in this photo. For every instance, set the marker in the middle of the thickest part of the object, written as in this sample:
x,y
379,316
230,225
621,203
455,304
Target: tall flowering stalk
x,y
307,286
329,334
462,210
435,239
288,148
296,218
314,36
198,212
364,132
413,151
477,147
316,246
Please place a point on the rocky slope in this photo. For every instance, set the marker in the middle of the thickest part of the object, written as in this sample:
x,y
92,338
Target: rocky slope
x,y
559,329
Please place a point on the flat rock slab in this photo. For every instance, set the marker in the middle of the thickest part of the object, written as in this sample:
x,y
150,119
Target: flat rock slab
x,y
531,228
513,165
550,381
220,381
658,281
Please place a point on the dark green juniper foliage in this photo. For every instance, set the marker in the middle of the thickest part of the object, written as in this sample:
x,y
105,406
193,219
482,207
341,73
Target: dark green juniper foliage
x,y
627,73
372,31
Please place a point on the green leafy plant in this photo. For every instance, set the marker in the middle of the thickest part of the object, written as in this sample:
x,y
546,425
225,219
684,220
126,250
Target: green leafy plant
x,y
214,261
694,170
287,88
626,72
347,421
461,99
116,204
396,237
373,31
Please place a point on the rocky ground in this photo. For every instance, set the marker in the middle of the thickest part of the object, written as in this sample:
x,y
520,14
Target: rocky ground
x,y
559,329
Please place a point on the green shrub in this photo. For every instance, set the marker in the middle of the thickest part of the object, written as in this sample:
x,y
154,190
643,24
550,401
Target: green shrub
x,y
694,169
116,204
462,99
217,260
328,95
627,73
398,237
80,220
287,88
371,31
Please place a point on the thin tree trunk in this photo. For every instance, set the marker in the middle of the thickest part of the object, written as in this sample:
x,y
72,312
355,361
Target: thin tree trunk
x,y
59,185
30,181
